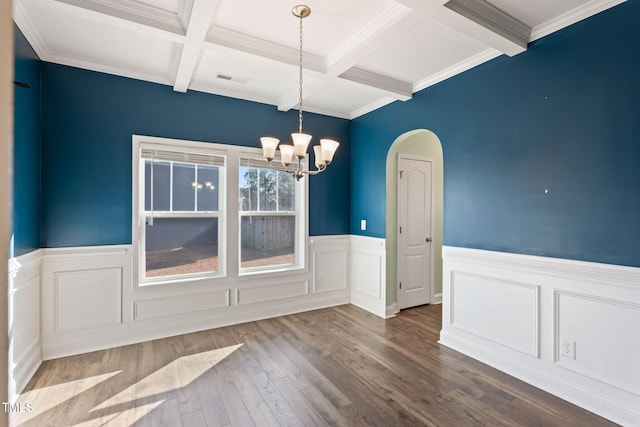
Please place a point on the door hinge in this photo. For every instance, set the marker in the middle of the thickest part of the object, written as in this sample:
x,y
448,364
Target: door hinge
x,y
400,285
400,229
401,174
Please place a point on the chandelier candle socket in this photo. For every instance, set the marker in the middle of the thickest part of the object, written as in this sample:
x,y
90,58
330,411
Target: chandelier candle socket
x,y
323,152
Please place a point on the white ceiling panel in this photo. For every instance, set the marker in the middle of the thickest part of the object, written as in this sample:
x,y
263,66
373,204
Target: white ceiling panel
x,y
352,96
73,40
252,77
359,54
434,47
331,21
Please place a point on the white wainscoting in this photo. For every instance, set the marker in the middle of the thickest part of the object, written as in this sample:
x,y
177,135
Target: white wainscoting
x,y
24,320
25,355
368,274
69,301
518,312
90,300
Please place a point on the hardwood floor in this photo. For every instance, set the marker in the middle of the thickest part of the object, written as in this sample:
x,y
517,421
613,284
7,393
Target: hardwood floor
x,y
337,366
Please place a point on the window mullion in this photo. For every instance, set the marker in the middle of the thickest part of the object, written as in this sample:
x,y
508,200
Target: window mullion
x,y
195,189
170,186
258,182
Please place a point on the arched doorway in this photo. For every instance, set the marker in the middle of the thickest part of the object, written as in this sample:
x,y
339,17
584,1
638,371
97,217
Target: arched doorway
x,y
423,143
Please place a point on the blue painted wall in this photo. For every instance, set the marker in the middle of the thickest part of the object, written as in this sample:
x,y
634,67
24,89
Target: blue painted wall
x,y
87,122
26,165
563,116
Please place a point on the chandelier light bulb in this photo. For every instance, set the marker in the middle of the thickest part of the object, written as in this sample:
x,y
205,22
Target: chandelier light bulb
x,y
286,154
269,146
329,147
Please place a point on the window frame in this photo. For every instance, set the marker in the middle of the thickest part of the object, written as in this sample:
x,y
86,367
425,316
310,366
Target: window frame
x,y
229,214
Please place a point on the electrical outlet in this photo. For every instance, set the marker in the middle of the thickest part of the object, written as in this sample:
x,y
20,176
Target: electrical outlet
x,y
568,349
363,224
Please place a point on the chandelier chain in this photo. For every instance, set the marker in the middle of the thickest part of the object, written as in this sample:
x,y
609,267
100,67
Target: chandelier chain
x,y
300,80
323,152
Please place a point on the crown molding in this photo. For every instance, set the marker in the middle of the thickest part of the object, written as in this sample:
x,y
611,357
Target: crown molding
x,y
460,67
371,107
327,112
107,69
231,94
571,17
29,30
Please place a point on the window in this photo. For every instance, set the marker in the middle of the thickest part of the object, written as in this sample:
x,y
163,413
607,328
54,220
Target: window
x,y
186,217
268,216
181,214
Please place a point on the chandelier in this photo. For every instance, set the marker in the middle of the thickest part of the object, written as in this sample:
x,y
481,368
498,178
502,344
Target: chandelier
x,y
323,153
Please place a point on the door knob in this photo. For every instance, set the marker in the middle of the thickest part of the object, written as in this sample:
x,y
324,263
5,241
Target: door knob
x,y
428,239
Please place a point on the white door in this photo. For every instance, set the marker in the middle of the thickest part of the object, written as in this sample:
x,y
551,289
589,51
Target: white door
x,y
414,231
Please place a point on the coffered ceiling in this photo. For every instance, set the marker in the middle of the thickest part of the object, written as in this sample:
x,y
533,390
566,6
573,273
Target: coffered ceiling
x,y
358,54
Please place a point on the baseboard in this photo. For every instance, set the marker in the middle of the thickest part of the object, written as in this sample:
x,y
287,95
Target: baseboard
x,y
24,370
550,383
437,299
391,311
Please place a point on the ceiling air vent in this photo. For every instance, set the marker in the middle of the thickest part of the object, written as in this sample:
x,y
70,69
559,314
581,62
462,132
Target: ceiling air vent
x,y
235,79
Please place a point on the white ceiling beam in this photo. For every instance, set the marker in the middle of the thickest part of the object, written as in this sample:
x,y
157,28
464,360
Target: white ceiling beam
x,y
503,32
255,46
393,88
479,20
201,15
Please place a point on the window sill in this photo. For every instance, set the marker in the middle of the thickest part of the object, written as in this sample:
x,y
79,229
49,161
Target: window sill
x,y
179,280
273,271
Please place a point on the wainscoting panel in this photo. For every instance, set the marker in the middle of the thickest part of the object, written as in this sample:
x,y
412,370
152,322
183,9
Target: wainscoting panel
x,y
87,298
584,322
330,263
368,273
508,314
274,292
84,291
567,327
163,307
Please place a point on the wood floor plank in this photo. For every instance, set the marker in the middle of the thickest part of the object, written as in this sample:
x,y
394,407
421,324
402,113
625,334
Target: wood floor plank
x,y
279,405
339,366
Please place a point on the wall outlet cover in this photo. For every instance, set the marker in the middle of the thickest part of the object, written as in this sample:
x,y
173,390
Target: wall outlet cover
x,y
568,349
